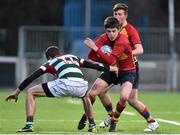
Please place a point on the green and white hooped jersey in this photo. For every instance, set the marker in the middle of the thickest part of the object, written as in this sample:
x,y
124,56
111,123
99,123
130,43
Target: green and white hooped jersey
x,y
65,66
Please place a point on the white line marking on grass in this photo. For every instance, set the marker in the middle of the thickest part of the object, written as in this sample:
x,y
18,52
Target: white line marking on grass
x,y
168,121
74,101
129,113
44,120
124,112
87,133
63,133
125,121
170,113
62,121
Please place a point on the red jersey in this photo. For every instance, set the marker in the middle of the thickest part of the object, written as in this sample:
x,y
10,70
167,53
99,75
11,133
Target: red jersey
x,y
121,52
132,34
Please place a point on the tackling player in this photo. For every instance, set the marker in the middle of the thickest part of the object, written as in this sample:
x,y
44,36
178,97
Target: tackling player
x,y
70,82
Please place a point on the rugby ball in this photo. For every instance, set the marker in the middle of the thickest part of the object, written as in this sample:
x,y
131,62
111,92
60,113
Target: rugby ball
x,y
106,49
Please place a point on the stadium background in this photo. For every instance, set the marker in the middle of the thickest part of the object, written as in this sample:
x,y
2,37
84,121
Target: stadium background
x,y
26,27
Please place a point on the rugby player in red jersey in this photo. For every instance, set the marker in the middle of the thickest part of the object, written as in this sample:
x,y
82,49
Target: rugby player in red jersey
x,y
121,56
120,11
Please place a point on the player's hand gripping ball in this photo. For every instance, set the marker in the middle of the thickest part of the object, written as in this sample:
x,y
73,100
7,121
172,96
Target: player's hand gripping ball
x,y
106,49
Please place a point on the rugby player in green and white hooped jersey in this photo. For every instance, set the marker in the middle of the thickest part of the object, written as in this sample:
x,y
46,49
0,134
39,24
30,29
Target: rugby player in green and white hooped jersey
x,y
70,82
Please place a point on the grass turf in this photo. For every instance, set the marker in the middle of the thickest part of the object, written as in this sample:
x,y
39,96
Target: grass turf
x,y
62,115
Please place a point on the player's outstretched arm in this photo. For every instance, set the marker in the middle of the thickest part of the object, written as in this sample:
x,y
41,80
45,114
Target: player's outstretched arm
x,y
23,85
30,78
138,50
100,66
90,43
13,95
109,59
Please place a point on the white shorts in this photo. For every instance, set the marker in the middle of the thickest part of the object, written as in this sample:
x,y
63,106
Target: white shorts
x,y
66,88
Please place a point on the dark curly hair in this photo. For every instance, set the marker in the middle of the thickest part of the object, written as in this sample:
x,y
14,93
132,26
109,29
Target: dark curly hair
x,y
51,52
112,22
120,6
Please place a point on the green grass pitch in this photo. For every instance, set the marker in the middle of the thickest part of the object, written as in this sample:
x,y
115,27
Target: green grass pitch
x,y
60,116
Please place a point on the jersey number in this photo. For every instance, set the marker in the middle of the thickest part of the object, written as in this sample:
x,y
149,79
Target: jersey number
x,y
69,60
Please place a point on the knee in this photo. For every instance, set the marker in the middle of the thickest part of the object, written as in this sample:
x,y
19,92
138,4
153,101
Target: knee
x,y
95,91
131,101
93,94
124,98
85,98
29,92
101,95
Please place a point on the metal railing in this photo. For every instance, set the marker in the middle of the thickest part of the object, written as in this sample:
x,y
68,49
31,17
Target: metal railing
x,y
34,39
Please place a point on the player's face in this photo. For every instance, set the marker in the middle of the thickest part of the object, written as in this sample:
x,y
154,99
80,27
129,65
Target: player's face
x,y
120,15
112,33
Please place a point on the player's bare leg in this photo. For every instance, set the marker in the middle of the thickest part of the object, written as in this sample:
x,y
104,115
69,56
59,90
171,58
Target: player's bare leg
x,y
104,97
124,96
142,109
98,87
107,103
134,102
89,113
32,93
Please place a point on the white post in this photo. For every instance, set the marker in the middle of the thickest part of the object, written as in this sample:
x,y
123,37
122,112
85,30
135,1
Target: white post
x,y
22,69
87,17
172,46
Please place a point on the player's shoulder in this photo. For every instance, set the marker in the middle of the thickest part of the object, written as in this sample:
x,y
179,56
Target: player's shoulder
x,y
103,36
130,27
123,38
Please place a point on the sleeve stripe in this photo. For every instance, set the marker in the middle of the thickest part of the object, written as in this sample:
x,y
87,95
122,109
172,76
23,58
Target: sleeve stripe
x,y
43,68
82,61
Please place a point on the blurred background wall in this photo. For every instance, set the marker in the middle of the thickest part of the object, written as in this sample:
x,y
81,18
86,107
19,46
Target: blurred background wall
x,y
26,28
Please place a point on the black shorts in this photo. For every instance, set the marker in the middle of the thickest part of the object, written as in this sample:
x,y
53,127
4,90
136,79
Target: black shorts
x,y
136,81
46,90
110,78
